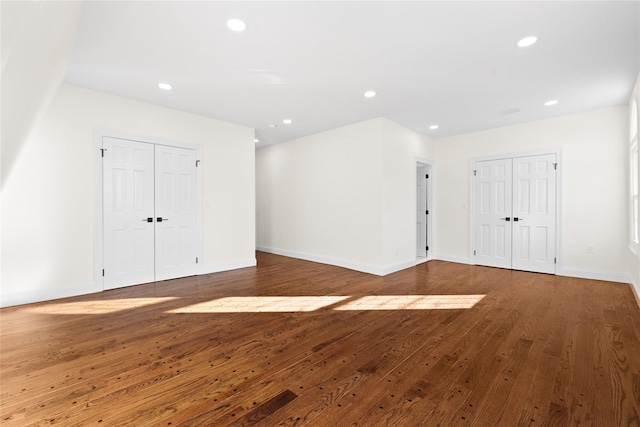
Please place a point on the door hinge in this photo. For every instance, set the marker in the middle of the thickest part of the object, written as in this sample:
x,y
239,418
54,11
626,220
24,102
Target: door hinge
x,y
427,176
197,163
474,251
102,150
475,172
554,260
555,166
427,248
196,260
103,272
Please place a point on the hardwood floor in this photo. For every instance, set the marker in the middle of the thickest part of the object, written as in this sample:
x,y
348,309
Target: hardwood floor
x,y
471,346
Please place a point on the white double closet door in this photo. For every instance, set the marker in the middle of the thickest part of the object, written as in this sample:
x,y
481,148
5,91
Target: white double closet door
x,y
149,212
515,213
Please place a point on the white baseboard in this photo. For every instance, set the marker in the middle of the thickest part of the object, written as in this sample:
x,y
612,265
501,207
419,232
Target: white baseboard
x,y
573,272
34,296
361,267
594,275
39,295
226,266
398,266
452,258
421,260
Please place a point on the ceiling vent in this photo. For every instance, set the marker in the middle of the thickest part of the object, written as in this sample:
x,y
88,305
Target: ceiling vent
x,y
510,111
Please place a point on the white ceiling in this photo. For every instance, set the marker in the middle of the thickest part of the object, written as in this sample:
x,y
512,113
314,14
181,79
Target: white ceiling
x,y
455,64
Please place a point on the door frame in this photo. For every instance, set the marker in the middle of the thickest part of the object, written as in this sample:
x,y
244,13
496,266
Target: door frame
x,y
98,208
428,165
559,186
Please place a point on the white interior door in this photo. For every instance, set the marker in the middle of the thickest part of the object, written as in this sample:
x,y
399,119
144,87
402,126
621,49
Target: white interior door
x,y
534,211
421,213
175,212
515,213
149,211
493,186
128,203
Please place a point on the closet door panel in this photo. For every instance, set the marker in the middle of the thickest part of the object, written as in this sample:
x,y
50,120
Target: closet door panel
x,y
176,233
534,207
493,190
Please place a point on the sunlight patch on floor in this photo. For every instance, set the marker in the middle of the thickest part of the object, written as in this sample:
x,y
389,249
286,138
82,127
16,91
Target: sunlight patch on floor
x,y
412,302
104,306
264,304
290,304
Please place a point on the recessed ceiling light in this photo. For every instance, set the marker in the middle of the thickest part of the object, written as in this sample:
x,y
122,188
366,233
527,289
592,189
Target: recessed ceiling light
x,y
287,121
369,94
551,102
433,127
256,140
527,41
236,25
272,126
165,86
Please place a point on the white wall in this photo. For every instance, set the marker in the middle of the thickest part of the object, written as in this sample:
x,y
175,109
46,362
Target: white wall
x,y
634,259
37,38
594,206
319,196
47,245
400,148
343,197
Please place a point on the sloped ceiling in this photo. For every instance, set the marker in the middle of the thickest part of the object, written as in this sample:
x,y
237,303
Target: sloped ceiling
x,y
37,37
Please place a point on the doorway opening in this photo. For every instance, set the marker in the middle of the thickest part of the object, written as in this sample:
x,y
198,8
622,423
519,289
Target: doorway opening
x,y
423,210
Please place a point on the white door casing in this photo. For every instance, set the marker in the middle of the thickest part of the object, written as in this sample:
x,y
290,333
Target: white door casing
x,y
493,186
516,229
128,200
139,182
175,172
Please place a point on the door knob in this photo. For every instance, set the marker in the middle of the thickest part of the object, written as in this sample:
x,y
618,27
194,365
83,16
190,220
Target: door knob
x,y
162,219
148,220
508,219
